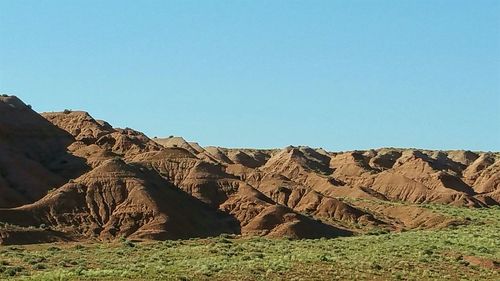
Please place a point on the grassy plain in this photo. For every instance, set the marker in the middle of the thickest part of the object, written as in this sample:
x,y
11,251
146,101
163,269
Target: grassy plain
x,y
467,252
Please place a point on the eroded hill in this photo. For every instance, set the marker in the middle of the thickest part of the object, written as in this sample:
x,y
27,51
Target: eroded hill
x,y
66,176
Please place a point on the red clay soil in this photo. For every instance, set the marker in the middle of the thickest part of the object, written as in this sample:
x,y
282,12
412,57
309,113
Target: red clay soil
x,y
482,262
80,178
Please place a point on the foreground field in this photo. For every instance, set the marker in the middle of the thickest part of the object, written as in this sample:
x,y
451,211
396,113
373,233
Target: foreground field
x,y
466,252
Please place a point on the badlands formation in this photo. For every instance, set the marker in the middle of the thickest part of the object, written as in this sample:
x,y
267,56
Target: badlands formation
x,y
65,176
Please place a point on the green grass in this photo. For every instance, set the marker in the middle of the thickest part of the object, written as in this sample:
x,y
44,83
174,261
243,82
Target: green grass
x,y
411,255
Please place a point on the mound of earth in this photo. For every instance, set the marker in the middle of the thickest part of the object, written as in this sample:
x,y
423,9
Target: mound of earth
x,y
80,178
259,215
118,199
33,155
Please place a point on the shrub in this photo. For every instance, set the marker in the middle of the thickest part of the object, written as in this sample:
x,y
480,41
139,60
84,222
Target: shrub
x,y
10,271
53,249
79,271
129,243
67,111
427,252
375,266
36,260
226,235
324,257
224,240
377,231
39,266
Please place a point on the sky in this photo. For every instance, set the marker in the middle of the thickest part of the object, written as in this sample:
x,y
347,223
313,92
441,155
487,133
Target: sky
x,y
340,75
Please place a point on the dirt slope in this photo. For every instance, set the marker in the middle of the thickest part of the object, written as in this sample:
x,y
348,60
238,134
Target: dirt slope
x,y
80,178
33,156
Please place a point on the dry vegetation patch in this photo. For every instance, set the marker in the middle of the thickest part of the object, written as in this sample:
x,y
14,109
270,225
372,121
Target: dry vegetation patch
x,y
462,252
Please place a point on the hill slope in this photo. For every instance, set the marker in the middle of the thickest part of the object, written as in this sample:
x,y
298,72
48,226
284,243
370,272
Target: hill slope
x,y
80,178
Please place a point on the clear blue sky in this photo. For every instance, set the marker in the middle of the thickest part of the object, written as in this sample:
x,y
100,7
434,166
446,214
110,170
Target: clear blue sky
x,y
334,74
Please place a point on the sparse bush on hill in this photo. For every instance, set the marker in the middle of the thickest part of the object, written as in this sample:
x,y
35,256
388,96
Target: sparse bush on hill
x,y
129,243
39,266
